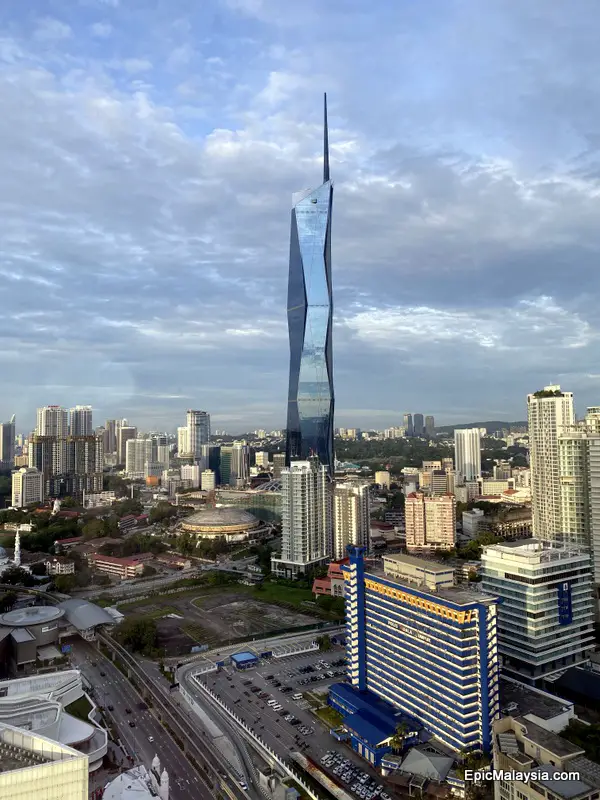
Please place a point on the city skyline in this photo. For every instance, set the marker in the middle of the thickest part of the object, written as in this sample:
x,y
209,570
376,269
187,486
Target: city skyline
x,y
145,254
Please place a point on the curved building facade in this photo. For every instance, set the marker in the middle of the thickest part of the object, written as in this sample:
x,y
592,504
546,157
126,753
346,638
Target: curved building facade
x,y
310,320
234,524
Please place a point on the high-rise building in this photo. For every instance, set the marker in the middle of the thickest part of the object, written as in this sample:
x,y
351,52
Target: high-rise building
x,y
261,459
162,454
7,443
52,421
430,522
418,425
407,423
351,516
110,436
138,452
306,519
310,323
27,487
225,459
124,434
183,446
191,472
430,426
550,412
502,470
424,647
278,465
546,617
382,478
208,480
240,464
198,425
80,421
467,453
70,465
211,459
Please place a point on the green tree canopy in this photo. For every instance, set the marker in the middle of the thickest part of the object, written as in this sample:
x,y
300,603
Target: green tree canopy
x,y
138,634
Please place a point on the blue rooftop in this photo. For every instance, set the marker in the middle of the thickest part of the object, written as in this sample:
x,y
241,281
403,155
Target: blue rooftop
x,y
366,701
243,658
370,727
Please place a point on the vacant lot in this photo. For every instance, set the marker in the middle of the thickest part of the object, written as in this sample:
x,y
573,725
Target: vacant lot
x,y
214,617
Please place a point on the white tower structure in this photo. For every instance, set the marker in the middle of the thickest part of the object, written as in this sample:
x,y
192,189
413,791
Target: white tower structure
x,y
198,427
351,520
17,558
467,453
550,413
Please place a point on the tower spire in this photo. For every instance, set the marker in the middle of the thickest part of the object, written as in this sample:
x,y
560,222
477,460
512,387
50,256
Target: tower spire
x,y
325,141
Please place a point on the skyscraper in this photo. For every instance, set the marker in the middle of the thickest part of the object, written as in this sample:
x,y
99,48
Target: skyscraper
x,y
310,321
198,425
418,426
7,443
52,421
124,434
408,425
550,412
80,421
430,426
182,441
467,453
306,519
351,519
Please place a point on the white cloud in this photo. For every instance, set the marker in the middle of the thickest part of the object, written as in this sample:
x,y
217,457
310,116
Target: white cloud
x,y
49,29
101,29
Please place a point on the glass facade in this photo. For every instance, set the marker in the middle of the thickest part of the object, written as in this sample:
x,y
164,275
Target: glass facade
x,y
310,309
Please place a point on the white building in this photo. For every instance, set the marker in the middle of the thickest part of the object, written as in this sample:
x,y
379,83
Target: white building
x,y
52,421
550,412
36,766
351,517
240,464
306,527
208,480
137,453
27,487
198,426
183,446
98,499
430,522
124,434
472,522
80,421
37,703
261,458
191,472
382,478
139,784
59,565
546,618
467,453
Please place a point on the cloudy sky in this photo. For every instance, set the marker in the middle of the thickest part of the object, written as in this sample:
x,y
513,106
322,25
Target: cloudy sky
x,y
149,150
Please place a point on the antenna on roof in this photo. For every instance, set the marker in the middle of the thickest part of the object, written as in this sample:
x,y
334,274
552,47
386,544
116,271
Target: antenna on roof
x,y
325,141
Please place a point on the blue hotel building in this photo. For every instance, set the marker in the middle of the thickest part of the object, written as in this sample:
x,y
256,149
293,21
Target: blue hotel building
x,y
428,650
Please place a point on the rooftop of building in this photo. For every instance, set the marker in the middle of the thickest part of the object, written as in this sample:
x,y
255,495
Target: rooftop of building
x,y
549,741
531,701
82,614
535,550
455,595
34,615
23,749
130,561
433,567
222,517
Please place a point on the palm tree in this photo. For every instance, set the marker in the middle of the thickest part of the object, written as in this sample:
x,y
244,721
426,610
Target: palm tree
x,y
397,740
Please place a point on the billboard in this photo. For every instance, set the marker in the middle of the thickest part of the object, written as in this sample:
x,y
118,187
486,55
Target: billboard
x,y
66,648
565,604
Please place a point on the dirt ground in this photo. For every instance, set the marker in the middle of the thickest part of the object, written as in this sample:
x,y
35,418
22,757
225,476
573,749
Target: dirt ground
x,y
214,618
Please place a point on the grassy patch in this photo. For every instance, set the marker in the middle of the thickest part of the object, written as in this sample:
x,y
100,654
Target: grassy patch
x,y
329,716
288,595
80,708
240,554
199,634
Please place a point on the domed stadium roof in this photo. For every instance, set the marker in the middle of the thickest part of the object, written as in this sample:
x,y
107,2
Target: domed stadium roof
x,y
220,521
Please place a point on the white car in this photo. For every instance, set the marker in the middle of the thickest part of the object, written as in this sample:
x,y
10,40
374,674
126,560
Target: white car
x,y
151,738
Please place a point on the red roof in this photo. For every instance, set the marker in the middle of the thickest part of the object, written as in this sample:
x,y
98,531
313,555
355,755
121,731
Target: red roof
x,y
128,517
142,516
511,491
131,562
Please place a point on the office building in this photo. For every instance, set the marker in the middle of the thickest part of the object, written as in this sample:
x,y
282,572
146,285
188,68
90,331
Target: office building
x,y
208,480
545,621
124,434
351,516
550,412
7,444
430,426
183,446
418,425
32,765
407,424
306,519
382,479
239,472
27,487
225,458
261,459
278,465
211,459
425,648
467,453
502,470
80,421
310,324
191,472
430,522
123,568
162,450
70,465
52,421
110,436
138,452
198,432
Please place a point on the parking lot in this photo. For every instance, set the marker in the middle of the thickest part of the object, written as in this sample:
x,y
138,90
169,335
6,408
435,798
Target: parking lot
x,y
271,698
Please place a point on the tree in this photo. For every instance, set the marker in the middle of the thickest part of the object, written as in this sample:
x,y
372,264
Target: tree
x,y
17,576
186,544
162,511
38,569
138,634
324,642
126,507
116,484
7,601
64,583
325,601
399,737
93,529
68,502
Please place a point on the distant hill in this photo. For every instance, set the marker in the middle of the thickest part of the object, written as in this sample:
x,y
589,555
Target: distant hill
x,y
494,425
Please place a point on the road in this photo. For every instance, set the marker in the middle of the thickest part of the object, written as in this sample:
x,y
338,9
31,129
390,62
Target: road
x,y
113,689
